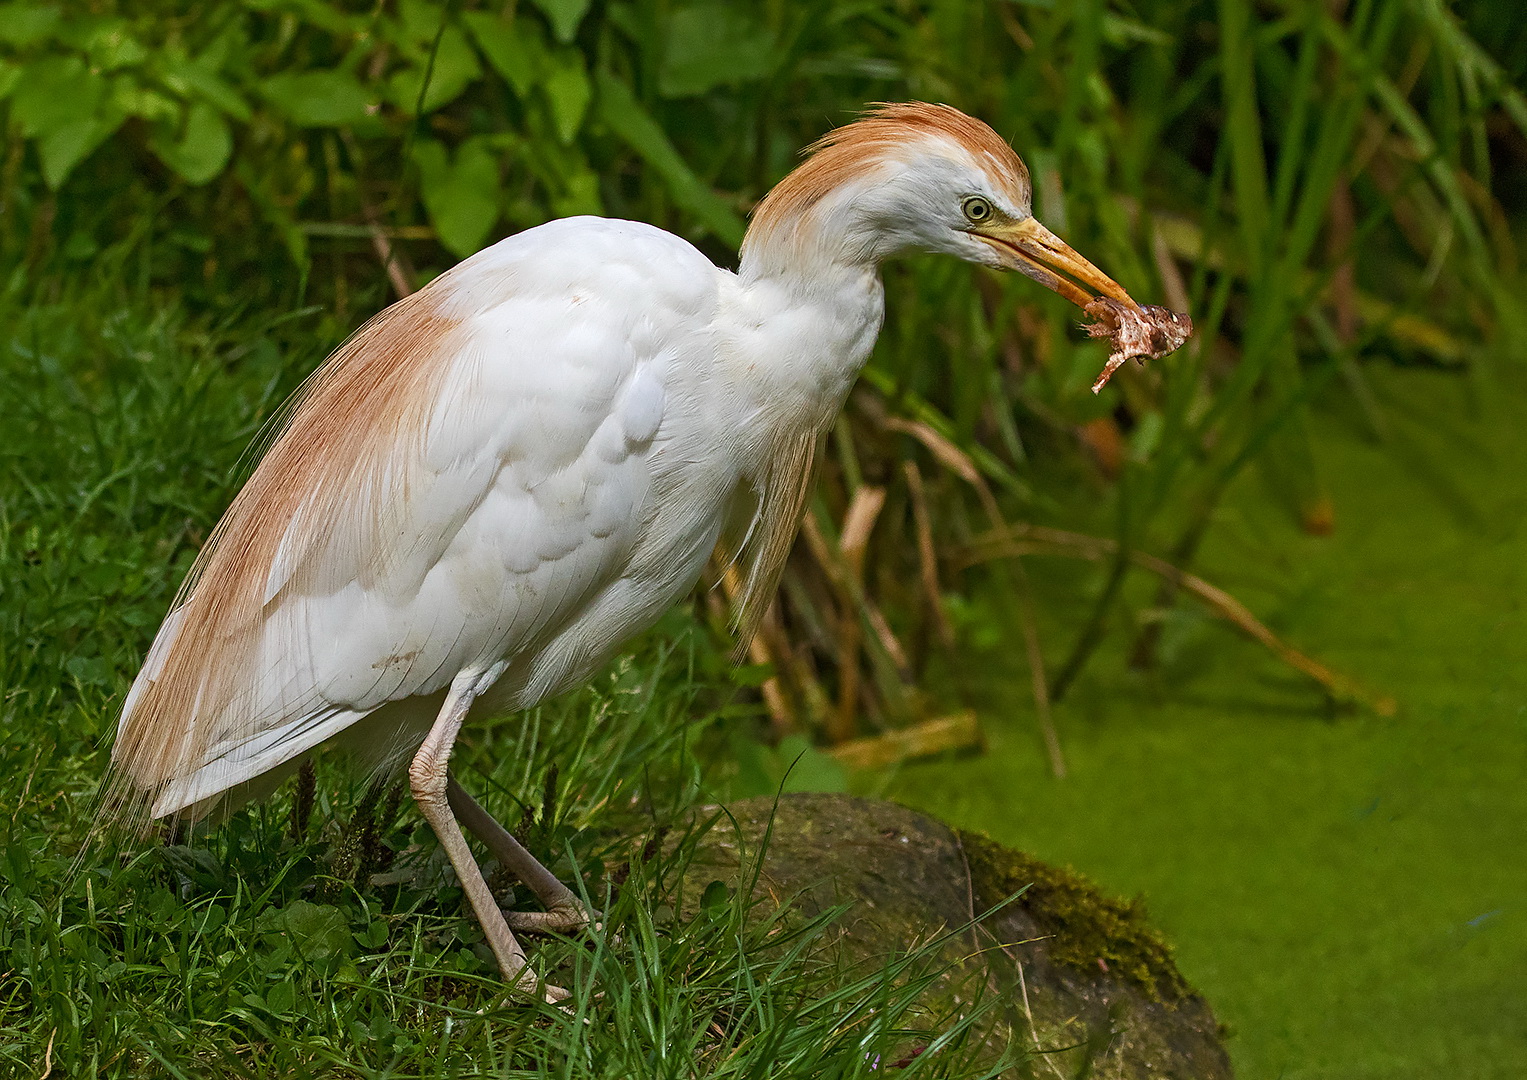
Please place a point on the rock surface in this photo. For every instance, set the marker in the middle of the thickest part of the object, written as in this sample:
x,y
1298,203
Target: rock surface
x,y
1083,979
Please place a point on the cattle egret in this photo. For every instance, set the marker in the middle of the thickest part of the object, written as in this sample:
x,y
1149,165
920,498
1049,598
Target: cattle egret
x,y
503,476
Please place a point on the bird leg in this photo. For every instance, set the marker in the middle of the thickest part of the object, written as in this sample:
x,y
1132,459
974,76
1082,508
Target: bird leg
x,y
564,913
429,779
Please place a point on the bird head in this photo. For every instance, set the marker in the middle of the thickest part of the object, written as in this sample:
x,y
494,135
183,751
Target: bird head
x,y
917,177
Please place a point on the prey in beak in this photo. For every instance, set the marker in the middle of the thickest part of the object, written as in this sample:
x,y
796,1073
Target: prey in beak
x,y
1139,330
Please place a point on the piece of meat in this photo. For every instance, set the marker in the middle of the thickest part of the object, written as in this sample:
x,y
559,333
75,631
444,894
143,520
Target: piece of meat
x,y
1149,332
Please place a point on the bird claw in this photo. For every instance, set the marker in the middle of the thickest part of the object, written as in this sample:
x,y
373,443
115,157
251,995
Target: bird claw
x,y
528,985
559,920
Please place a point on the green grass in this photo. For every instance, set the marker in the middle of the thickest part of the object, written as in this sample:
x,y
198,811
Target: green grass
x,y
265,947
1348,891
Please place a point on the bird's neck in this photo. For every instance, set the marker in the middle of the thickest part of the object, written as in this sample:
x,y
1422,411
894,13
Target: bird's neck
x,y
813,283
801,330
808,243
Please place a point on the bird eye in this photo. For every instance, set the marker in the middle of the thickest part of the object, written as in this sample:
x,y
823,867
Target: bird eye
x,y
976,209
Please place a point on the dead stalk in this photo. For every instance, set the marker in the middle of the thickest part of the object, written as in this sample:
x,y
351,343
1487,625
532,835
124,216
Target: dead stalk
x,y
399,273
1020,539
927,557
959,462
1041,687
761,652
853,541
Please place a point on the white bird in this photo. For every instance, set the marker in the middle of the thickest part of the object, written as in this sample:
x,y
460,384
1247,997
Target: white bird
x,y
502,477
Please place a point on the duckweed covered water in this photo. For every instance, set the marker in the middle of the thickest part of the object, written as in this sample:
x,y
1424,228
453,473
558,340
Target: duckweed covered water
x,y
1350,892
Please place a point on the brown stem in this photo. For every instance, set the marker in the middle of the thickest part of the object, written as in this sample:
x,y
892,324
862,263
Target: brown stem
x,y
927,558
1037,671
399,271
1341,229
762,649
1142,655
840,723
1022,539
958,462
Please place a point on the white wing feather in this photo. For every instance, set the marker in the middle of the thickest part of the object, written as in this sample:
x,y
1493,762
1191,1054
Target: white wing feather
x,y
513,534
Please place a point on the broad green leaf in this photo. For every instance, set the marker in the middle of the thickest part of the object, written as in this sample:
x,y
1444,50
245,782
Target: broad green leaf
x,y
200,78
714,899
317,13
315,931
89,670
375,934
515,50
144,101
579,192
318,98
418,22
202,150
55,92
281,998
62,148
10,75
455,67
565,16
110,45
714,44
229,48
461,194
568,91
619,109
25,24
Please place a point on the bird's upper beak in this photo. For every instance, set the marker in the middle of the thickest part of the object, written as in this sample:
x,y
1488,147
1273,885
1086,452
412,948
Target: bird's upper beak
x,y
1030,248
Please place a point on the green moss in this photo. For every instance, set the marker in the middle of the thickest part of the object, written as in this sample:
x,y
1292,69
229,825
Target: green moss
x,y
1083,925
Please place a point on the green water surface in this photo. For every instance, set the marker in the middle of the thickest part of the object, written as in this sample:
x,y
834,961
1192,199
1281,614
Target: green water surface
x,y
1349,892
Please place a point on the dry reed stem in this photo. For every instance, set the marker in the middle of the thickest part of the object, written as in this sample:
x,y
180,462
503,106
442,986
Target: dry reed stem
x,y
761,650
843,566
398,270
957,731
1040,683
858,523
1021,539
960,463
1173,286
927,557
1341,229
47,1057
850,588
389,257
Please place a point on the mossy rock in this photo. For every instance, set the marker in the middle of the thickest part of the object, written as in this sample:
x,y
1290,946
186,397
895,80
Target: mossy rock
x,y
1085,982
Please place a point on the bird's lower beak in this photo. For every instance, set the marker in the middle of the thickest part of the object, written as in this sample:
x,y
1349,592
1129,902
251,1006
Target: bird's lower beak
x,y
1030,248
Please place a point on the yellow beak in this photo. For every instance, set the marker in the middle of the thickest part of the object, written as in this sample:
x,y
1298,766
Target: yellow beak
x,y
1031,249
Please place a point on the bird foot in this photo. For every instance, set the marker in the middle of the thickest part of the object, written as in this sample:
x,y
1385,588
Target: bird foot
x,y
532,987
567,919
